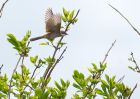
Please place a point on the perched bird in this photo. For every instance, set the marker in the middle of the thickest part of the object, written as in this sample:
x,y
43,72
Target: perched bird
x,y
53,26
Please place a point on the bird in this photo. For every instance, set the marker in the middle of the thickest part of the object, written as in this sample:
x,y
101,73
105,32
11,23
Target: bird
x,y
53,26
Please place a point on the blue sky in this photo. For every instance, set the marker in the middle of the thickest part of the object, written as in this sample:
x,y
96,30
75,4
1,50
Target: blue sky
x,y
88,40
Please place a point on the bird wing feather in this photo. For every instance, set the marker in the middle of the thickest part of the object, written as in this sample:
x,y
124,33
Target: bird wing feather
x,y
53,21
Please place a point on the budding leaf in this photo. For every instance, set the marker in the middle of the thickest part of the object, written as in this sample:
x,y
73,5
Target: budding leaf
x,y
66,13
70,17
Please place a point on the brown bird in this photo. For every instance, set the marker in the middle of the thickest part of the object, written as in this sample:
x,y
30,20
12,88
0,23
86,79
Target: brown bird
x,y
53,26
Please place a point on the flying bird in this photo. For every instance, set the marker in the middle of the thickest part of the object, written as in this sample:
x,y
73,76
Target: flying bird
x,y
53,26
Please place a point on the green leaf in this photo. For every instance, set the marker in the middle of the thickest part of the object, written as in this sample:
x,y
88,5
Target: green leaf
x,y
62,82
76,73
76,86
130,67
12,39
35,84
107,78
70,17
33,59
103,88
81,76
90,70
58,86
38,92
65,12
44,43
46,94
50,60
64,18
75,20
42,79
104,83
98,91
95,66
67,83
62,43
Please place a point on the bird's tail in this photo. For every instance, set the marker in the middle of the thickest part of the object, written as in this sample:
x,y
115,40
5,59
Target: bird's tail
x,y
36,38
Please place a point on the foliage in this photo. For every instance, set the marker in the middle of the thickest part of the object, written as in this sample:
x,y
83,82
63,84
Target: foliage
x,y
24,84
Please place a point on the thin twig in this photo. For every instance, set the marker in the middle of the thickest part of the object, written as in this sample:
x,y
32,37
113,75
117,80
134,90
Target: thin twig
x,y
120,80
22,62
2,7
57,47
132,91
50,71
126,19
98,76
106,55
23,57
12,75
1,68
137,69
27,85
57,61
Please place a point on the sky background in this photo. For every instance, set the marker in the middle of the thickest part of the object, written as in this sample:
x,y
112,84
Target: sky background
x,y
88,40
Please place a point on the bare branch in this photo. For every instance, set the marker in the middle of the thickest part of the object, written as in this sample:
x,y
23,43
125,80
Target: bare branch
x,y
99,76
126,19
51,69
137,69
2,7
1,68
57,61
106,55
120,80
132,91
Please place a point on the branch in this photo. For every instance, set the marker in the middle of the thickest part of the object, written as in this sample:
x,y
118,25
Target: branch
x,y
27,85
1,68
106,55
12,75
126,19
132,91
120,80
23,57
137,69
57,61
2,7
51,69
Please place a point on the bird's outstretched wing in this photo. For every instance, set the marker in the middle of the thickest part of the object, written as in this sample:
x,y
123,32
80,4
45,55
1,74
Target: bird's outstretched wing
x,y
53,21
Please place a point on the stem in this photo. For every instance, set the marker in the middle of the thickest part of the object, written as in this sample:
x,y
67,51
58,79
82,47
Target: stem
x,y
2,7
99,75
12,75
126,19
58,60
30,78
132,91
1,68
106,55
21,67
137,69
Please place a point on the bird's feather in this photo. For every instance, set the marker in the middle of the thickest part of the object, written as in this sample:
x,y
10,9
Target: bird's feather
x,y
53,22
